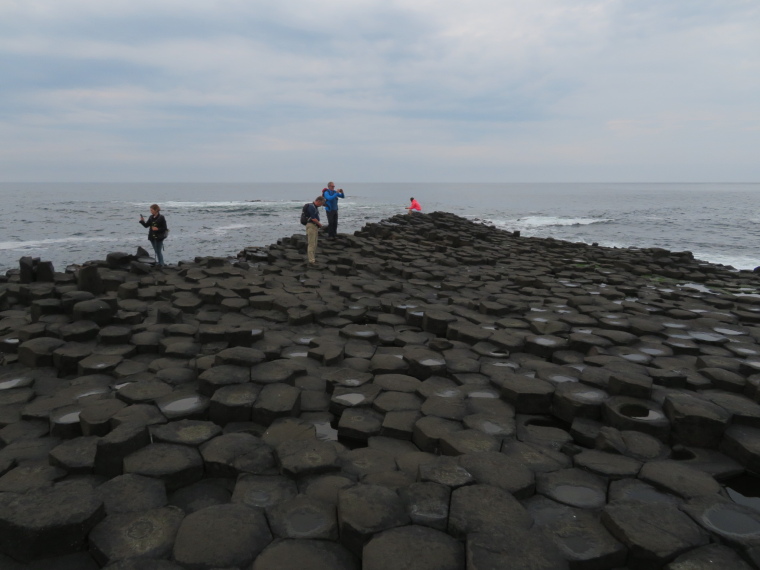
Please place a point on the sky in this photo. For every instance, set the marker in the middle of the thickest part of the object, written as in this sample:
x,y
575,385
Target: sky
x,y
380,91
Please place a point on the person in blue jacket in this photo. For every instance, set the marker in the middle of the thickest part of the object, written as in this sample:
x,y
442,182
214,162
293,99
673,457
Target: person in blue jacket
x,y
331,208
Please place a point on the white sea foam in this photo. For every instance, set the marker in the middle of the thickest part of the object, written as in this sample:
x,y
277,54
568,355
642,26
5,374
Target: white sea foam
x,y
537,222
44,243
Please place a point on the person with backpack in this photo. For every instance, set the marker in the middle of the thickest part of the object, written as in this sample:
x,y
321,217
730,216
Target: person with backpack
x,y
310,219
157,232
331,196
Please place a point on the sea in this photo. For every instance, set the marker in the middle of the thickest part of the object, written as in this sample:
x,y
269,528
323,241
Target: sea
x,y
71,223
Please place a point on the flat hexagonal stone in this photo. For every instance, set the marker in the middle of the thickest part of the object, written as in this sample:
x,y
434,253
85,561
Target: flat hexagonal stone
x,y
299,457
25,478
186,432
143,392
140,534
221,536
48,522
360,424
276,371
303,517
219,376
364,510
520,548
183,405
429,430
325,488
496,469
116,445
609,465
694,420
573,487
742,443
483,508
233,403
175,465
737,525
234,453
712,555
76,456
636,490
445,471
204,493
468,441
311,554
397,382
417,547
94,310
38,352
276,401
128,493
263,491
427,504
639,526
578,534
679,479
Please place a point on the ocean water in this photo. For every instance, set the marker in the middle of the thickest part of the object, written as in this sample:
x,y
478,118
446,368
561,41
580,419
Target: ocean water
x,y
73,223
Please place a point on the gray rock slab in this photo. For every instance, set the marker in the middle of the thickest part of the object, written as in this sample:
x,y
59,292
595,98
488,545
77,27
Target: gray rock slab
x,y
48,522
518,549
578,534
694,420
427,504
185,432
325,488
276,401
139,534
221,536
76,456
535,458
233,403
25,478
175,465
637,490
359,424
417,547
573,487
736,525
204,493
496,469
263,491
710,556
220,376
679,479
610,465
364,510
304,518
234,453
303,457
742,443
302,554
653,533
130,492
484,508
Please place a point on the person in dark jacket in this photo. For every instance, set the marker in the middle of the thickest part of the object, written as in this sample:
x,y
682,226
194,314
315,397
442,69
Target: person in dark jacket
x,y
312,228
157,232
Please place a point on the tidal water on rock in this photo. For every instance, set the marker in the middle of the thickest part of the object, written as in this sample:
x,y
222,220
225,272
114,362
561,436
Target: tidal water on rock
x,y
73,223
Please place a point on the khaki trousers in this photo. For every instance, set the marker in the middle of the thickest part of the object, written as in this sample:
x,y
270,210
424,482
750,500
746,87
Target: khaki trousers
x,y
312,236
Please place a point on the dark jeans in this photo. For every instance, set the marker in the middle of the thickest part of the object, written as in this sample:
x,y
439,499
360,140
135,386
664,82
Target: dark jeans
x,y
158,247
332,221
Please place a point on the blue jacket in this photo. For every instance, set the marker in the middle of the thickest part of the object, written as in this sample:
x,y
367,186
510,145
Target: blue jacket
x,y
331,199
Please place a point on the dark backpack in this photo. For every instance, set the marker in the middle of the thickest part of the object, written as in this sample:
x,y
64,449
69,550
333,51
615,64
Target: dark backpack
x,y
305,214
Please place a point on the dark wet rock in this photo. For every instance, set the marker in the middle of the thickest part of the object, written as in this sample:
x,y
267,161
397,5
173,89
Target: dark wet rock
x,y
263,491
233,403
574,400
427,504
233,453
364,510
25,478
429,430
518,549
204,493
483,508
742,443
535,458
497,470
221,536
186,432
76,456
345,397
130,492
710,556
48,522
220,376
302,457
573,487
114,447
276,401
694,420
578,534
637,490
679,479
175,465
325,488
527,395
653,533
360,424
139,534
38,352
303,518
626,413
413,547
312,554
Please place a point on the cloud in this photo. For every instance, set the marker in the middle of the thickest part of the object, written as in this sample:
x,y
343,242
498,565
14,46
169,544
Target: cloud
x,y
430,90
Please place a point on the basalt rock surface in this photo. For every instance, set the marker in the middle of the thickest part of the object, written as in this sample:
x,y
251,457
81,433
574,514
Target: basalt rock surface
x,y
435,393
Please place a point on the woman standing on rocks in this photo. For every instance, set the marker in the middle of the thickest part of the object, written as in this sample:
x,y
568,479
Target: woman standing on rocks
x,y
157,233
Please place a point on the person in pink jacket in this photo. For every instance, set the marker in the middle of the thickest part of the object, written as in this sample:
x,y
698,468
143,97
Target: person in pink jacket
x,y
414,206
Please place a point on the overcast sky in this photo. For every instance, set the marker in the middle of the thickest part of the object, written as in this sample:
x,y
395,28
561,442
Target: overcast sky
x,y
385,91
